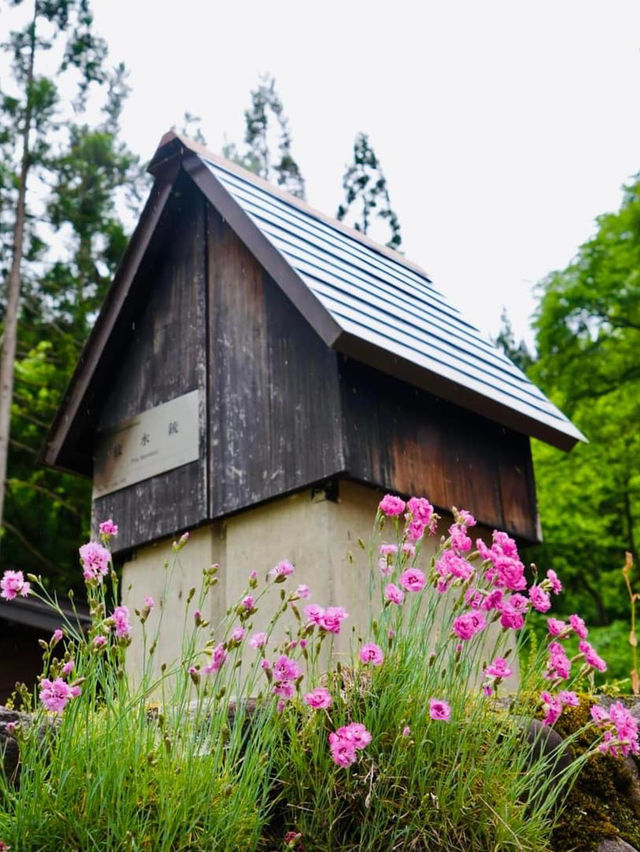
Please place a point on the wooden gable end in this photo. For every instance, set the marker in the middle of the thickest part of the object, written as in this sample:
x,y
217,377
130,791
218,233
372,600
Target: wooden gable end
x,y
163,355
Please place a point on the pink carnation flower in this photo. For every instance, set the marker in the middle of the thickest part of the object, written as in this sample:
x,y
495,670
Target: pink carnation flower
x,y
121,621
412,580
149,602
409,549
281,570
332,617
439,710
285,668
460,541
56,636
108,528
258,640
393,593
13,584
569,698
319,698
56,694
391,505
540,599
578,625
343,752
68,667
499,668
554,583
355,733
237,634
591,657
388,549
94,559
217,660
466,626
303,591
558,628
372,653
247,602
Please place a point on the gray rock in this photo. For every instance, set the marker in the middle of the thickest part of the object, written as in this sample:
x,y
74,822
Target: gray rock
x,y
616,845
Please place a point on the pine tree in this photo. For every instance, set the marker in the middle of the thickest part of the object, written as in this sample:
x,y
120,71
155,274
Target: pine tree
x,y
66,180
266,109
366,193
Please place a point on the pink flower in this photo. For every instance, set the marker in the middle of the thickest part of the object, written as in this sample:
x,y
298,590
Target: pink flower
x,y
314,613
388,549
94,559
319,698
265,665
409,549
237,634
391,505
386,567
303,592
591,657
355,733
247,602
578,625
149,602
99,641
466,626
372,653
554,582
439,710
258,640
539,599
332,617
13,584
281,570
599,714
217,660
406,731
68,667
286,669
450,564
558,628
121,621
559,665
421,510
343,752
459,539
412,580
393,593
108,528
55,694
568,698
494,600
57,636
464,517
552,708
285,689
499,668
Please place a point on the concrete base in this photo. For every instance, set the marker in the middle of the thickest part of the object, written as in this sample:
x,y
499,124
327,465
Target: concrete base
x,y
318,535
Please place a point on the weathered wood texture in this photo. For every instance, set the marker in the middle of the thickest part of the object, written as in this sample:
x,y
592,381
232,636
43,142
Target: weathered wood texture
x,y
404,439
275,419
164,356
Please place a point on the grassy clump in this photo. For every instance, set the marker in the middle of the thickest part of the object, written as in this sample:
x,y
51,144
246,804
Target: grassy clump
x,y
235,756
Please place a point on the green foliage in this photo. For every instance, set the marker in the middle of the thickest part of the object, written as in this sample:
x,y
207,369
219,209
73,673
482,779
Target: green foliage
x,y
366,194
518,352
80,181
588,339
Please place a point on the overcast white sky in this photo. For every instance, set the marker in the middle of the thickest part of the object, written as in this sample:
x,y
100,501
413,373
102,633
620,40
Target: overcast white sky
x,y
504,127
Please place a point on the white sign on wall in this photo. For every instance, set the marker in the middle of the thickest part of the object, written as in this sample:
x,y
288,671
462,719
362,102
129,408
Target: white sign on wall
x,y
152,442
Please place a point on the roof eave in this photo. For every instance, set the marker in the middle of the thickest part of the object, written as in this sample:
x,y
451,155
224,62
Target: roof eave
x,y
400,368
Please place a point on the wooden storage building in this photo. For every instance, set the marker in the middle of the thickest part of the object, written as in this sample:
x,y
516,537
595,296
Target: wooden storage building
x,y
252,352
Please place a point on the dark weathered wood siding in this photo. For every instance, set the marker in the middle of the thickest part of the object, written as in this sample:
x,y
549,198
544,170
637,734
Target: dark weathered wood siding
x,y
275,420
406,440
164,356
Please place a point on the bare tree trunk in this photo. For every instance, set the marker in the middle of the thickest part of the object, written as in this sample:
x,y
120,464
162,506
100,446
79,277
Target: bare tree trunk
x,y
10,336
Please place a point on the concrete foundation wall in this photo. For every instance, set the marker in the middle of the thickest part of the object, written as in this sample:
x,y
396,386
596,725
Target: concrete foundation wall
x,y
318,535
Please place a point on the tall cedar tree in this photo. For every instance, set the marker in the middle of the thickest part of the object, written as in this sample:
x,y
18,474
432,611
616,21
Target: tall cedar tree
x,y
58,183
588,341
266,128
366,193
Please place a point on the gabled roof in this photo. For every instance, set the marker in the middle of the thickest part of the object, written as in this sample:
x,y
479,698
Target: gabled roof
x,y
363,299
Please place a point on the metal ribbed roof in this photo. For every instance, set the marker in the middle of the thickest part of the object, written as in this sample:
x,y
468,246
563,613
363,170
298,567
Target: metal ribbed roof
x,y
389,304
